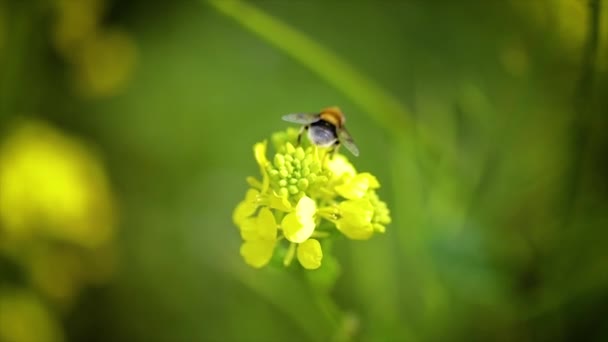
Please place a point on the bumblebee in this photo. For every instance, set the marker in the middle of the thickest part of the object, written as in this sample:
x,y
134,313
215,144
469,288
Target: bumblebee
x,y
325,129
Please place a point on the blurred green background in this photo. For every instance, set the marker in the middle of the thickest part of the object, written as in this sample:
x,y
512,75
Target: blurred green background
x,y
126,133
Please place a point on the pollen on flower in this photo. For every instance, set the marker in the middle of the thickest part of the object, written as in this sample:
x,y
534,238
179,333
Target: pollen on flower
x,y
305,192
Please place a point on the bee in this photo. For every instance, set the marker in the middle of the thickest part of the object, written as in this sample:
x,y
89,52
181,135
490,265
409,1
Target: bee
x,y
325,129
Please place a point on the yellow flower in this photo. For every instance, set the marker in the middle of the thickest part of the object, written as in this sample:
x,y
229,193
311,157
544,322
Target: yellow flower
x,y
382,215
259,151
280,203
302,186
357,186
52,185
25,317
310,254
260,235
77,20
279,139
257,253
246,207
105,62
299,225
340,167
356,219
295,172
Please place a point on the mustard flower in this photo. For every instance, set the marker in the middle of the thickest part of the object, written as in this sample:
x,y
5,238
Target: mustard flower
x,y
305,195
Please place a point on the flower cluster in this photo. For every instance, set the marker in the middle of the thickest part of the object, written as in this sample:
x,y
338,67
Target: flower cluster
x,y
306,194
57,228
102,57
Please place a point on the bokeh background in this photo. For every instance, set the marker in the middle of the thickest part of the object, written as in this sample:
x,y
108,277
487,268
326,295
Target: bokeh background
x,y
126,134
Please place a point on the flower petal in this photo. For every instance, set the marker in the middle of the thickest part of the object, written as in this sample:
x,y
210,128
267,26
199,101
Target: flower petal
x,y
306,207
266,225
248,229
246,207
280,203
259,151
355,219
340,166
372,181
257,253
310,254
357,186
355,230
296,230
299,225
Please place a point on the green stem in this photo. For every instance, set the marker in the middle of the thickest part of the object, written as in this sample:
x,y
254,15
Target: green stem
x,y
320,234
291,252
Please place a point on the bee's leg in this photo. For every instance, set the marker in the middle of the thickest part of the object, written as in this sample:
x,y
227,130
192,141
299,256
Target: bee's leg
x,y
335,149
302,129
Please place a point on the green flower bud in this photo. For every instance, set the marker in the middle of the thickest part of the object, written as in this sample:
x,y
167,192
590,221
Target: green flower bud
x,y
293,189
289,168
283,172
283,192
289,149
308,159
300,154
279,160
303,184
274,173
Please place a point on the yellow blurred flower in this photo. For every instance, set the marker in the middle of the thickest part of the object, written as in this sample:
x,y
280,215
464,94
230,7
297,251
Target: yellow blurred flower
x,y
51,186
75,22
514,58
103,58
105,63
25,318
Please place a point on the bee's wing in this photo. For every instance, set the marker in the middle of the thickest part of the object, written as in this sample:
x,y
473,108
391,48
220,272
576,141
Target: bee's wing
x,y
347,141
301,118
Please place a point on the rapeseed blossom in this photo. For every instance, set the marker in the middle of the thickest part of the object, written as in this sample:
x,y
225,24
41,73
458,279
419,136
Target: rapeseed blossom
x,y
306,194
